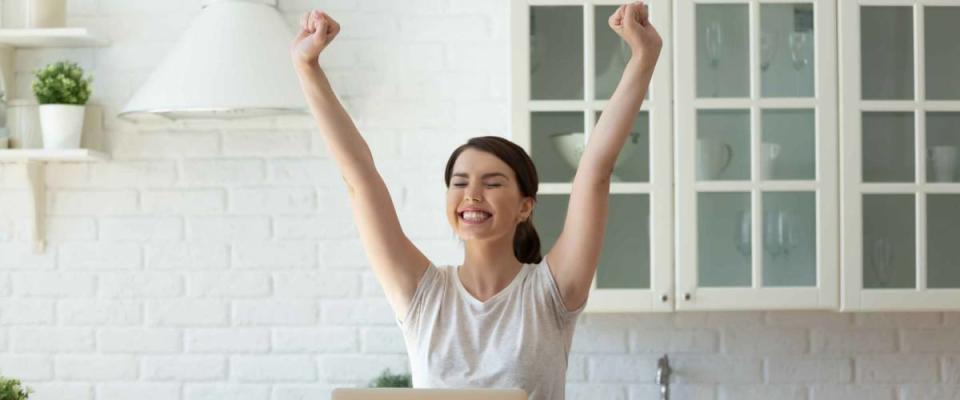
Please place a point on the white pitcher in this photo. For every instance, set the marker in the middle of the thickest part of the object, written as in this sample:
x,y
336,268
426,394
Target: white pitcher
x,y
713,158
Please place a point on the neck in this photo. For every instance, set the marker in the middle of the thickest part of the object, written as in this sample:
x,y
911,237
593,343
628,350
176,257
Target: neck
x,y
489,266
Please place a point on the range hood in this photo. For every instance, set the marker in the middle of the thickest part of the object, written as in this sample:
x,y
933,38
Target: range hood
x,y
232,62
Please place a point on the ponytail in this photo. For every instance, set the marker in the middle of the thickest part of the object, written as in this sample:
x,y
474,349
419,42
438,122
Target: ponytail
x,y
526,243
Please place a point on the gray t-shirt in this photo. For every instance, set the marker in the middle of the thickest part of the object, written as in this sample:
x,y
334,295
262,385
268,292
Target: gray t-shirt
x,y
519,338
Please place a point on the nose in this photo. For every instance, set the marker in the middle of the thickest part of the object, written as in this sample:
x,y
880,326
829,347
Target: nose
x,y
473,192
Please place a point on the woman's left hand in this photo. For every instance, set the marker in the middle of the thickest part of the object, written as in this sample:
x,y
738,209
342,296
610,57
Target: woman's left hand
x,y
631,22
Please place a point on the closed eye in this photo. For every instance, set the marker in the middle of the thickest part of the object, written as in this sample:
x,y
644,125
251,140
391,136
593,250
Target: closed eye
x,y
460,185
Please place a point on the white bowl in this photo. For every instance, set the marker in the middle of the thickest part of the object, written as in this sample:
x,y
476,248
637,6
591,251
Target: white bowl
x,y
570,145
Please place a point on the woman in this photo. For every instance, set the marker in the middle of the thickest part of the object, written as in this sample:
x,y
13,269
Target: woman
x,y
505,317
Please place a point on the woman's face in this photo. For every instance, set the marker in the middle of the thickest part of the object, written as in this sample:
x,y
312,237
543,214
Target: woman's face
x,y
480,181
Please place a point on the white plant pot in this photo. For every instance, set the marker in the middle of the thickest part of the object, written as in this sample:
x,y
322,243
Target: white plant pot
x,y
61,125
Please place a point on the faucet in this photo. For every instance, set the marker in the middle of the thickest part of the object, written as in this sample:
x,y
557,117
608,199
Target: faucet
x,y
663,377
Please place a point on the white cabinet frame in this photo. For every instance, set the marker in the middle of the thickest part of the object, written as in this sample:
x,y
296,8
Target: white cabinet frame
x,y
825,294
855,298
659,297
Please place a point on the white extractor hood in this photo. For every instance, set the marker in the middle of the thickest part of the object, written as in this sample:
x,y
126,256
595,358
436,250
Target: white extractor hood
x,y
233,61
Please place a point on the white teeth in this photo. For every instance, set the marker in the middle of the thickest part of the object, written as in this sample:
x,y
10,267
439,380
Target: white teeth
x,y
475,215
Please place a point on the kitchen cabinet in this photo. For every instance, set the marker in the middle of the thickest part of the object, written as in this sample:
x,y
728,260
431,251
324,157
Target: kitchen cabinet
x,y
566,63
736,144
900,113
756,155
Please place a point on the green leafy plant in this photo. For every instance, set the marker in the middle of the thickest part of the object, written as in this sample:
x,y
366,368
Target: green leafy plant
x,y
10,389
61,83
388,380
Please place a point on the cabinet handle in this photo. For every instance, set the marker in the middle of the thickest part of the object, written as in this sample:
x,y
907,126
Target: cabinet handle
x,y
663,298
686,296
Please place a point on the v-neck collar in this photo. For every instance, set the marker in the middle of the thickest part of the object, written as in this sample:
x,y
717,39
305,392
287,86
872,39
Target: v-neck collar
x,y
473,300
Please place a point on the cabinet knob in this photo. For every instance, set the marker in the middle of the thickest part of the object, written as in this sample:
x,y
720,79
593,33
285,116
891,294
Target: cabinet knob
x,y
663,298
686,296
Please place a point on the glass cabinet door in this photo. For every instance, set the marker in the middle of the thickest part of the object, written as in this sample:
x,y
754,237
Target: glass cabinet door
x,y
566,64
901,196
756,142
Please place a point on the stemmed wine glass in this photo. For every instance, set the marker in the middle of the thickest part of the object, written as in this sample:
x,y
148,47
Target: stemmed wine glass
x,y
778,233
714,39
742,237
882,254
537,45
778,236
799,45
768,49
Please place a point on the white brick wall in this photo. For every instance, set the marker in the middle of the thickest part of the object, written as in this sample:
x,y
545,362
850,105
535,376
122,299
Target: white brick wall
x,y
219,260
228,340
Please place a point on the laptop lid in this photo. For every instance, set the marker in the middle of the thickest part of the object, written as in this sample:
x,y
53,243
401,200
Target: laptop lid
x,y
428,394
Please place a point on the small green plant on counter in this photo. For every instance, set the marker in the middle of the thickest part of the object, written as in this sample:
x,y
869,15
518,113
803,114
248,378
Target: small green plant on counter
x,y
387,380
11,389
61,83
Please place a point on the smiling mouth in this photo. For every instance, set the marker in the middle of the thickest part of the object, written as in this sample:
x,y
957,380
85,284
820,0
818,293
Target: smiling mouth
x,y
474,217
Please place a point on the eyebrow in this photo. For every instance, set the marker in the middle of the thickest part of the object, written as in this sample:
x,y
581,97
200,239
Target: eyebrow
x,y
484,176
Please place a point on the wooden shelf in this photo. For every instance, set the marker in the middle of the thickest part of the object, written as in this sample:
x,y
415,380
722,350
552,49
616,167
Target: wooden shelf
x,y
51,37
35,161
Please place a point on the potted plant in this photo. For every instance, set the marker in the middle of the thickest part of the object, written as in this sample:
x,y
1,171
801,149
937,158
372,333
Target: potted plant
x,y
62,92
10,389
388,380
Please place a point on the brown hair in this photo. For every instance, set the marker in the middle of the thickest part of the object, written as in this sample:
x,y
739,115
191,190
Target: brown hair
x,y
526,242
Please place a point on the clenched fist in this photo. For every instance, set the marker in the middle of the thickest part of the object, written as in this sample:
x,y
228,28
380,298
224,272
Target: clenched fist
x,y
317,30
631,22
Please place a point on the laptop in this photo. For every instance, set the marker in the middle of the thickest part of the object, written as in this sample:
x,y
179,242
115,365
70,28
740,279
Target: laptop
x,y
428,394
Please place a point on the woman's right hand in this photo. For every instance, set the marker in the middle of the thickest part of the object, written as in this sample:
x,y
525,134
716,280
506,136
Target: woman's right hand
x,y
632,23
317,30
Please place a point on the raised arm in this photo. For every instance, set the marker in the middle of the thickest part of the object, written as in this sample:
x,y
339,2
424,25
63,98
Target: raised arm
x,y
573,259
396,262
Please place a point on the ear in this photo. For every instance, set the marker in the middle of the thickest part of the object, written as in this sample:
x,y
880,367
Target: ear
x,y
526,208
